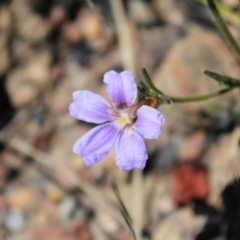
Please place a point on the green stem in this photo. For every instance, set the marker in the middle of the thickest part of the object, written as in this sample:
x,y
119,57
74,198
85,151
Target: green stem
x,y
152,91
223,28
199,98
229,14
148,82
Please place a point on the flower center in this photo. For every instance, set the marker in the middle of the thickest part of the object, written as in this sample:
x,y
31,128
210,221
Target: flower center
x,y
124,119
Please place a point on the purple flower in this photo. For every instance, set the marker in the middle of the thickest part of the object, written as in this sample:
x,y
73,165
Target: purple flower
x,y
122,122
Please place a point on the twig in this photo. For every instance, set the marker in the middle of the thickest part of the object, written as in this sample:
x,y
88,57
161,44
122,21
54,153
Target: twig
x,y
124,35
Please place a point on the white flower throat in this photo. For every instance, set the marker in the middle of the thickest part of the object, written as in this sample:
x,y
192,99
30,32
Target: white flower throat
x,y
124,119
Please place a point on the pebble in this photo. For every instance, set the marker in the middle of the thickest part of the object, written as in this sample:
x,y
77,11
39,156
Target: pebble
x,y
20,199
27,25
89,24
14,221
66,208
40,218
140,12
54,192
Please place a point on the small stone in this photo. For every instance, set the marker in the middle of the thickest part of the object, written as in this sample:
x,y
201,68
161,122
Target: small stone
x,y
20,8
191,182
54,192
66,208
171,12
107,224
23,96
21,49
20,92
165,206
39,218
27,25
90,24
21,198
37,70
14,221
25,81
140,12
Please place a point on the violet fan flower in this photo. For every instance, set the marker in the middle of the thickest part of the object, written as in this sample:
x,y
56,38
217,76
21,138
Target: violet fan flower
x,y
121,122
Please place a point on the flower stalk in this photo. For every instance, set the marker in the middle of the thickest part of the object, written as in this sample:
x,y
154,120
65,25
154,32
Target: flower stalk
x,y
151,91
201,97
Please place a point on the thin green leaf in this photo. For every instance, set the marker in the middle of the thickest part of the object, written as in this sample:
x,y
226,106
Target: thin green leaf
x,y
227,81
223,28
151,90
229,14
123,209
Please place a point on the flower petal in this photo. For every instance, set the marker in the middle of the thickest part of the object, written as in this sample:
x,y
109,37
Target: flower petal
x,y
149,122
89,107
130,151
96,144
121,87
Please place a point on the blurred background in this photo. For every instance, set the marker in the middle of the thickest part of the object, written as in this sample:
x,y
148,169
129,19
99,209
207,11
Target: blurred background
x,y
50,48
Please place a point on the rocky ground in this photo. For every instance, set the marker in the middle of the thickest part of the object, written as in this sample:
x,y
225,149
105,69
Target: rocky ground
x,y
50,48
